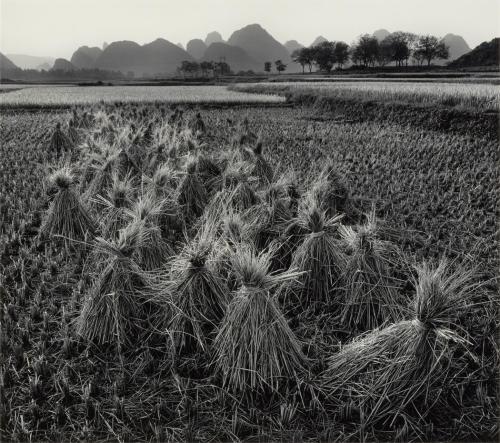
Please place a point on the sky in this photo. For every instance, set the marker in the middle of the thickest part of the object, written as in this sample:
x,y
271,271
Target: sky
x,y
58,27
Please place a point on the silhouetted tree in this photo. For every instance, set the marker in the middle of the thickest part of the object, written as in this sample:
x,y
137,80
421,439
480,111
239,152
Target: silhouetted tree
x,y
324,55
206,67
280,66
307,55
385,52
222,68
430,48
341,53
366,51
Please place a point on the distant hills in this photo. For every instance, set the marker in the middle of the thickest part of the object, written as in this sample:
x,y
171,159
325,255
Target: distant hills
x,y
259,44
85,57
237,58
196,48
24,61
61,64
157,57
457,46
246,49
213,37
6,65
292,45
485,54
318,40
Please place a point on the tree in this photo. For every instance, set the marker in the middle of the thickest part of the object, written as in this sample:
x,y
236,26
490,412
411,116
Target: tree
x,y
366,51
341,53
307,56
429,48
280,66
297,58
267,66
205,67
385,52
401,46
324,55
222,68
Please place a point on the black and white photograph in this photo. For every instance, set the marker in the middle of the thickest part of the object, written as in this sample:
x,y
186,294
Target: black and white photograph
x,y
249,221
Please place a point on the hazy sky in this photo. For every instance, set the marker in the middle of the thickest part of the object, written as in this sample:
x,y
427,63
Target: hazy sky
x,y
58,27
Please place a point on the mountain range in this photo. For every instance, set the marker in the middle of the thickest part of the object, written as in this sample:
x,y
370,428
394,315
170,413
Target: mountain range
x,y
31,61
246,49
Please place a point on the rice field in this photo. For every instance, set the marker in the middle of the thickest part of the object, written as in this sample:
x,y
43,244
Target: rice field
x,y
473,96
181,273
56,95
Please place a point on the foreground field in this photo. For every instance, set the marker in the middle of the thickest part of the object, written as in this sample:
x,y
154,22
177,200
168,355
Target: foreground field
x,y
436,193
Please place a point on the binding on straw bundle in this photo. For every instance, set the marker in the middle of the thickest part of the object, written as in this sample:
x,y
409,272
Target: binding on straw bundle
x,y
256,351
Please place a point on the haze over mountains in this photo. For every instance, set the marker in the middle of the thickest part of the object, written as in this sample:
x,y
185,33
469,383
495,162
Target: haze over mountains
x,y
31,61
246,49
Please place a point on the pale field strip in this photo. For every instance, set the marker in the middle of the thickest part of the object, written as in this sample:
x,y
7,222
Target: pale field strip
x,y
82,95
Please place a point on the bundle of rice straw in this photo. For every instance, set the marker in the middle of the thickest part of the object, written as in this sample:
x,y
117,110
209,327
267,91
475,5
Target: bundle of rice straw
x,y
67,216
244,135
373,293
256,351
73,133
262,169
269,218
319,256
59,140
164,181
234,232
112,210
209,172
100,169
236,179
153,251
115,310
331,193
192,195
197,125
126,164
404,370
199,297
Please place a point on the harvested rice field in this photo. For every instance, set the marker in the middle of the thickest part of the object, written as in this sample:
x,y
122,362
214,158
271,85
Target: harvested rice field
x,y
183,272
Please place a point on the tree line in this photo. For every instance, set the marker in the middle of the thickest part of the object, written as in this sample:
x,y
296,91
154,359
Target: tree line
x,y
368,51
205,68
62,75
